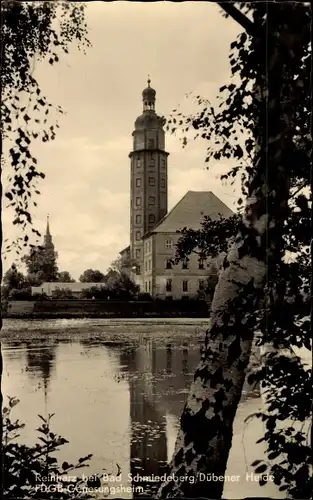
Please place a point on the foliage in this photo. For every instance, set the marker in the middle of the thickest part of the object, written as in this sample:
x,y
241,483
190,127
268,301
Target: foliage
x,y
13,279
65,277
41,265
117,286
20,294
62,293
232,131
26,468
92,276
40,296
94,292
31,32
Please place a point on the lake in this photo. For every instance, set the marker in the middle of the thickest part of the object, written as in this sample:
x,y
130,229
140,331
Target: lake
x,y
117,389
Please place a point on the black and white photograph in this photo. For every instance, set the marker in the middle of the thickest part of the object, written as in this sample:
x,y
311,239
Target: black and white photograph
x,y
156,250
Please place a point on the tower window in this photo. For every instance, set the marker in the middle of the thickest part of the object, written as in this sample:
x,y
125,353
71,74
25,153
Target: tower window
x,y
138,182
163,163
168,285
168,264
138,201
152,161
138,162
146,265
151,200
185,286
151,181
201,264
138,219
138,235
163,183
151,219
168,244
138,253
150,143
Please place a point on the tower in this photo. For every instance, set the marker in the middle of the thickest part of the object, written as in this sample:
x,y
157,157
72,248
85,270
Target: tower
x,y
48,244
148,184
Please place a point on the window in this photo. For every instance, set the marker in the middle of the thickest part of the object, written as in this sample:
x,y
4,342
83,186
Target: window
x,y
138,183
201,284
168,244
138,235
168,285
138,219
138,253
151,181
163,163
146,286
138,162
201,264
168,264
151,219
150,245
152,161
149,265
150,143
151,200
149,286
138,201
146,265
185,286
162,183
185,264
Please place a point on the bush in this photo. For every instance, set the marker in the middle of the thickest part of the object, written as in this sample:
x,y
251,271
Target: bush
x,y
62,293
23,294
144,296
24,467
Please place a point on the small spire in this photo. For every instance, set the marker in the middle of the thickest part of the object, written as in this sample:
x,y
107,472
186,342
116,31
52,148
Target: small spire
x,y
149,80
48,227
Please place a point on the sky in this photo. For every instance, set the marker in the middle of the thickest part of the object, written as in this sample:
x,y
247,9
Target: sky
x,y
184,48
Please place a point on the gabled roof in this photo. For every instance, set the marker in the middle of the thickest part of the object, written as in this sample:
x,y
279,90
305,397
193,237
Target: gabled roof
x,y
189,212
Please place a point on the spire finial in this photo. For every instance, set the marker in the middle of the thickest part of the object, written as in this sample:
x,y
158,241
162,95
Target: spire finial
x,y
149,80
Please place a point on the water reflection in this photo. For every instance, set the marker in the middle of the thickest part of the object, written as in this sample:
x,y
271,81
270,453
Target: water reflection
x,y
40,362
158,381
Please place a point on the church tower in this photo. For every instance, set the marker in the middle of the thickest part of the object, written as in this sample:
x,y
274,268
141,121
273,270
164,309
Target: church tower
x,y
148,184
48,244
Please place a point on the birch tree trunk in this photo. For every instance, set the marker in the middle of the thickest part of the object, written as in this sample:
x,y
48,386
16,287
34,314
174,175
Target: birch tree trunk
x,y
205,434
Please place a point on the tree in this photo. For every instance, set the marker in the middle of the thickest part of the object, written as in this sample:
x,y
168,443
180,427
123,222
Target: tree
x,y
92,276
271,106
64,277
13,279
30,30
41,265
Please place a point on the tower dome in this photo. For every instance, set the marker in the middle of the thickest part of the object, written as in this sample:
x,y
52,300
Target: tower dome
x,y
148,93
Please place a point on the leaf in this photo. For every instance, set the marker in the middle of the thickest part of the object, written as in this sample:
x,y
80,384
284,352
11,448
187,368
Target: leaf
x,y
261,468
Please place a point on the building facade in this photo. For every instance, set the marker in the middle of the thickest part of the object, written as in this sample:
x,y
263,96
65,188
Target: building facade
x,y
164,279
148,179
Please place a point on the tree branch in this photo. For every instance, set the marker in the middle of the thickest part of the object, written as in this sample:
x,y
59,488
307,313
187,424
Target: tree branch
x,y
238,16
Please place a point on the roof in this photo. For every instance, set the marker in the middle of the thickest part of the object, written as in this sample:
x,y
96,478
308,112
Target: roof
x,y
125,250
189,212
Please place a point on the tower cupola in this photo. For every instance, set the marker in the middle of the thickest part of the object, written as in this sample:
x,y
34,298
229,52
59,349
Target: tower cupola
x,y
148,97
